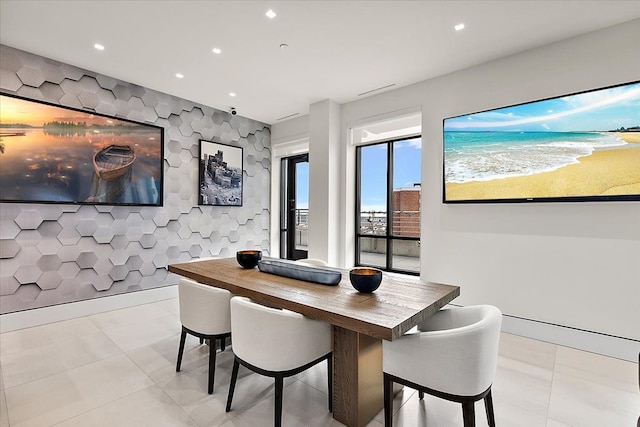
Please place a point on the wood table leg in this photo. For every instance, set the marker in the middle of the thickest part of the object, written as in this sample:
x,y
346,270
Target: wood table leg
x,y
357,377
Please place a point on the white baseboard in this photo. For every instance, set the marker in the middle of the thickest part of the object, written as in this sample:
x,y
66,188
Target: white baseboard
x,y
594,342
56,313
607,345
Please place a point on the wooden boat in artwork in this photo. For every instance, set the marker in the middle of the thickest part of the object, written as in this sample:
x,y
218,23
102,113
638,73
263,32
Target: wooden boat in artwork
x,y
113,161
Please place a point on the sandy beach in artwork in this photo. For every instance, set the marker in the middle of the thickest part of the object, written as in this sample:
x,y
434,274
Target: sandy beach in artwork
x,y
606,172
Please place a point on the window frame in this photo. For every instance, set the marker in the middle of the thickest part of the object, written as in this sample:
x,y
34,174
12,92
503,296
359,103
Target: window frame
x,y
288,185
389,238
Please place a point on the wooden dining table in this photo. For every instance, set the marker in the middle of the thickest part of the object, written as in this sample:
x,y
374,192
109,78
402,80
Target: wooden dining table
x,y
360,321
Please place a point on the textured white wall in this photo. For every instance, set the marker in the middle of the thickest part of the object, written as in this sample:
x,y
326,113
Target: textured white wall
x,y
53,254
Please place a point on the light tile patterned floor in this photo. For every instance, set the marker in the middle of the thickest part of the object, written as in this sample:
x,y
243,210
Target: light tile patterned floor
x,y
118,369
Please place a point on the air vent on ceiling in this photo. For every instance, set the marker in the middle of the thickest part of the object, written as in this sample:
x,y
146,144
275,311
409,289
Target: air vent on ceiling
x,y
377,89
287,117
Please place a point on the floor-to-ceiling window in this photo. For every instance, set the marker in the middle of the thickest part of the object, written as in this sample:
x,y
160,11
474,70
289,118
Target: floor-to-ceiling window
x,y
294,196
388,205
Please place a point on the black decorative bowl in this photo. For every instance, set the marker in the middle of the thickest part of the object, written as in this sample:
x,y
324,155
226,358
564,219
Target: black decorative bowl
x,y
365,279
249,258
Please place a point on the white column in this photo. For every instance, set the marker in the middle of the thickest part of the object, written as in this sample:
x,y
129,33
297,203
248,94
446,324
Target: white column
x,y
324,181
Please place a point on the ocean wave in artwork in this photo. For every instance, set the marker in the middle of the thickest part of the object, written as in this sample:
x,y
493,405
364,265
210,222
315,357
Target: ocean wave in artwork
x,y
495,155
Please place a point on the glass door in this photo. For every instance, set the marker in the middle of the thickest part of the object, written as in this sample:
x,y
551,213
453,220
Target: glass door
x,y
294,220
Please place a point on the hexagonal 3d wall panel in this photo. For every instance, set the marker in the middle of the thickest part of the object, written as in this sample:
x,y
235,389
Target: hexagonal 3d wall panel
x,y
82,252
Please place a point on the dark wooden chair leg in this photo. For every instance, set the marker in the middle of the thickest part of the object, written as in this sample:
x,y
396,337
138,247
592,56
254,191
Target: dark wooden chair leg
x,y
388,400
183,337
330,381
212,364
223,344
277,422
421,394
201,341
232,384
488,406
468,414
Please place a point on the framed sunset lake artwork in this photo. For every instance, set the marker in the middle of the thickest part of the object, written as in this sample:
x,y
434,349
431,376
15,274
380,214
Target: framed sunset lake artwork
x,y
55,154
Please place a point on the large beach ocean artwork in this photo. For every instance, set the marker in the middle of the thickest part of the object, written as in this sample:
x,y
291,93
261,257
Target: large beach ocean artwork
x,y
584,146
53,154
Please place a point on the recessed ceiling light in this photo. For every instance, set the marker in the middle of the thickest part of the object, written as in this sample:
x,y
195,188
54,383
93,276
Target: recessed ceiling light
x,y
459,27
283,45
232,94
98,46
270,14
216,51
180,76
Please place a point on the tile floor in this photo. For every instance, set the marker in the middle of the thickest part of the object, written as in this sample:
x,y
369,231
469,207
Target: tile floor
x,y
118,369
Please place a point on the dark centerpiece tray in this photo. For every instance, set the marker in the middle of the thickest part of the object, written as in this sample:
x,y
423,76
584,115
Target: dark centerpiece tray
x,y
324,276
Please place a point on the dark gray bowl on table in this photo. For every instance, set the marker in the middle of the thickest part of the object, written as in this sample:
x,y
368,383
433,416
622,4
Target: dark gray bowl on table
x,y
248,258
364,279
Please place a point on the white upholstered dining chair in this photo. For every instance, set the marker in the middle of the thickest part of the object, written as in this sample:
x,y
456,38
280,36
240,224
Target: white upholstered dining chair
x,y
204,313
453,355
313,262
276,343
206,259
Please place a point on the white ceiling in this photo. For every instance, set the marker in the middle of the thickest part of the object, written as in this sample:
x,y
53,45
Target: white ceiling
x,y
337,49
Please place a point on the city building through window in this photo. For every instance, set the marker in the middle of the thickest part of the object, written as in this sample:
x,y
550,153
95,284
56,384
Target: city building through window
x,y
388,205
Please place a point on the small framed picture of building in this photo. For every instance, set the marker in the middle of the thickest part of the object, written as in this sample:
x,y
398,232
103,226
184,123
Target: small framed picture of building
x,y
220,174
